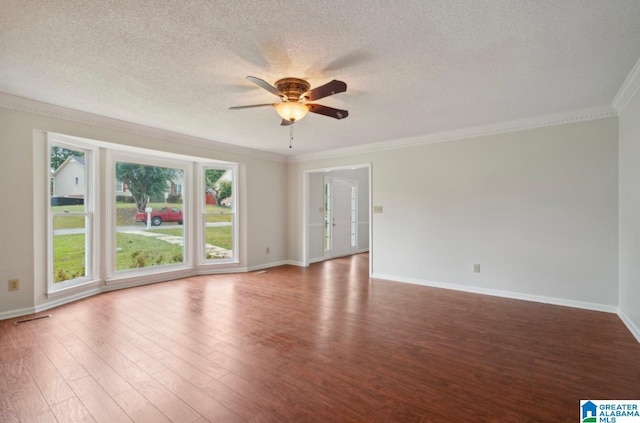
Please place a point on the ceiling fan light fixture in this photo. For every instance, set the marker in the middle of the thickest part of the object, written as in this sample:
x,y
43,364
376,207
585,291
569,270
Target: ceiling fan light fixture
x,y
292,111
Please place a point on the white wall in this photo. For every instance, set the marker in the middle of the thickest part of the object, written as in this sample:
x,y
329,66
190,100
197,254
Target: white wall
x,y
23,163
315,220
16,182
537,209
629,134
266,208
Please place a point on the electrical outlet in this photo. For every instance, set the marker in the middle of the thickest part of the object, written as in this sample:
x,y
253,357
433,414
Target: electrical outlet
x,y
377,209
476,268
14,284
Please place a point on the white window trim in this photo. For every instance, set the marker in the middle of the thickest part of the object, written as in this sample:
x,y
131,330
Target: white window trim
x,y
200,186
92,222
113,275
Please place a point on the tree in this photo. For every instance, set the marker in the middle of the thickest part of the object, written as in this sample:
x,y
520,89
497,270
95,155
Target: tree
x,y
224,190
211,176
60,154
145,181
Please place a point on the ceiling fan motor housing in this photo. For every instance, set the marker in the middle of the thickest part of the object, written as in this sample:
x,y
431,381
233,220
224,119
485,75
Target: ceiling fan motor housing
x,y
293,88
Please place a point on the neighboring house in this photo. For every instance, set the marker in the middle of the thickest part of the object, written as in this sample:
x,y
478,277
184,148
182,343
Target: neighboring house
x,y
121,189
176,187
68,178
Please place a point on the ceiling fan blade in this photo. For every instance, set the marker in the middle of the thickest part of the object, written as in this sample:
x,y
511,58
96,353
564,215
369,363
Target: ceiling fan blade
x,y
264,84
328,111
286,122
330,88
251,106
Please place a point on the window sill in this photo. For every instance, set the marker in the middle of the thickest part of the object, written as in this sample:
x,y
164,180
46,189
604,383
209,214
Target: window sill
x,y
75,289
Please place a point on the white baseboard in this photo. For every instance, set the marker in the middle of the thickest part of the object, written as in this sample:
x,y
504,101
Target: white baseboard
x,y
68,299
630,325
204,272
267,265
17,313
76,293
505,294
295,263
317,260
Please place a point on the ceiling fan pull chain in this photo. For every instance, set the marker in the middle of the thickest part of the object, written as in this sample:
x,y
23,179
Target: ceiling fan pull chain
x,y
290,136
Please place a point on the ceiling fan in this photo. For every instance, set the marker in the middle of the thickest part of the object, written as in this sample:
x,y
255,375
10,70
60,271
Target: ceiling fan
x,y
294,94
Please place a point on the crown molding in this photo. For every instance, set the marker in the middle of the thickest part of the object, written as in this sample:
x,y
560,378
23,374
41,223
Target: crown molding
x,y
631,85
459,134
22,104
628,89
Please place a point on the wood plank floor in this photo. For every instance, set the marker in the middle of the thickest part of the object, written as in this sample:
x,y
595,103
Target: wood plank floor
x,y
321,344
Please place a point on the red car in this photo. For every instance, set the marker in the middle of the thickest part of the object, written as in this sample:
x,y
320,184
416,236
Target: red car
x,y
166,214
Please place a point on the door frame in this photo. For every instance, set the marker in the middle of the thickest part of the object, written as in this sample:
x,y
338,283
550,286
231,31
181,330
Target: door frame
x,y
306,207
328,180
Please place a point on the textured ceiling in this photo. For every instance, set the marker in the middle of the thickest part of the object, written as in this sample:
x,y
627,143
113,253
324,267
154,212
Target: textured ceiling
x,y
413,67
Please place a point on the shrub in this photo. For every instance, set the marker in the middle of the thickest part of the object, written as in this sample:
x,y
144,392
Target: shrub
x,y
174,199
125,199
63,275
141,259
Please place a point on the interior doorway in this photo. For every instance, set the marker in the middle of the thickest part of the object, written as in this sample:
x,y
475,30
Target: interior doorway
x,y
337,212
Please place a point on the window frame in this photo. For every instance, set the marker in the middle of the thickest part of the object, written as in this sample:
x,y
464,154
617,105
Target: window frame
x,y
91,157
114,156
202,259
100,230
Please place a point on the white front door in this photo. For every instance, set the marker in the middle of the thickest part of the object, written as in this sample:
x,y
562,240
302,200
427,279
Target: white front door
x,y
341,217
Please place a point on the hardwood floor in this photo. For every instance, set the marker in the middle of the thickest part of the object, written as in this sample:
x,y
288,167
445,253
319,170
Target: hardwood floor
x,y
321,344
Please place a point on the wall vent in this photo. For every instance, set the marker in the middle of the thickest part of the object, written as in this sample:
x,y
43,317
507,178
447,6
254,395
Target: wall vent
x,y
31,319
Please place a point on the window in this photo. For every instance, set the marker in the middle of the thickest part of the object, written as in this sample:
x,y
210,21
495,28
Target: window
x,y
71,214
148,232
146,217
219,221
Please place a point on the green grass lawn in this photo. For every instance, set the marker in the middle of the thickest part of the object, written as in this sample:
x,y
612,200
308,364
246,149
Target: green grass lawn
x,y
132,251
136,251
220,236
69,260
